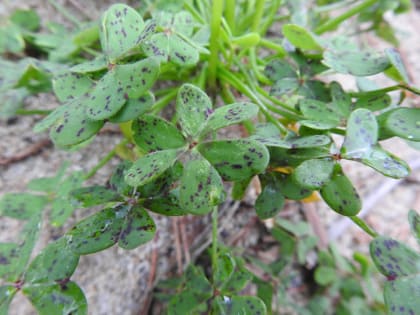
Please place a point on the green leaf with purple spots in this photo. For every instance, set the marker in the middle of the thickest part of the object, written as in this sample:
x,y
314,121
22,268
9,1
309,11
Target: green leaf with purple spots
x,y
284,86
341,101
72,126
393,258
172,48
167,205
120,83
121,28
225,267
249,305
270,201
193,108
55,263
105,99
361,134
291,189
15,256
308,141
229,115
414,220
181,22
62,207
139,228
157,46
201,187
373,103
320,112
196,290
356,63
182,53
402,295
152,133
319,125
301,38
150,166
68,86
98,231
94,65
57,299
340,194
11,266
93,196
117,182
293,142
7,293
386,163
133,108
396,61
401,122
239,279
137,78
313,174
51,118
278,69
22,206
236,159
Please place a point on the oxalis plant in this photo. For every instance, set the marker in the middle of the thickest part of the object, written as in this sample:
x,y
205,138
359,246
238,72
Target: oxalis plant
x,y
274,88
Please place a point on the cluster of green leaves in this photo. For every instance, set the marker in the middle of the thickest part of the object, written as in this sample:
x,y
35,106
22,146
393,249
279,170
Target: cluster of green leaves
x,y
28,73
401,265
45,281
338,285
219,294
179,167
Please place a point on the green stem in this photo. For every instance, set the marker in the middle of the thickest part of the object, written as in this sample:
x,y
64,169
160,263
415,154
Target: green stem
x,y
259,11
363,225
214,238
91,51
243,88
230,15
194,12
63,11
275,100
253,60
105,160
164,101
333,23
270,16
273,46
29,112
216,20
